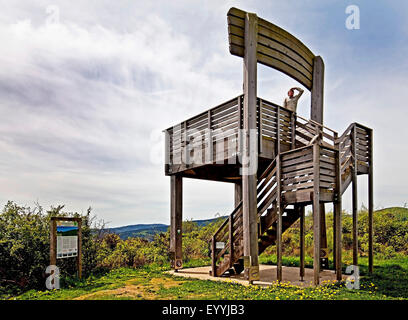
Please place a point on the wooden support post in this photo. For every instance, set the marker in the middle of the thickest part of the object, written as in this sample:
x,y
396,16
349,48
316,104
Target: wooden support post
x,y
231,239
337,243
279,209
293,125
53,243
334,237
79,256
237,193
260,125
354,197
213,257
176,220
210,149
250,150
324,259
316,112
316,213
186,146
302,242
370,207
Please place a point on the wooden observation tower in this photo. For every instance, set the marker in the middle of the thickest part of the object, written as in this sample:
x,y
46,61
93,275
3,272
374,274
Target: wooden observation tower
x,y
278,161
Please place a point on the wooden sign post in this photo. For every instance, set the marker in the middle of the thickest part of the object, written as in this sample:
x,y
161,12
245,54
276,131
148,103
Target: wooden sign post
x,y
55,247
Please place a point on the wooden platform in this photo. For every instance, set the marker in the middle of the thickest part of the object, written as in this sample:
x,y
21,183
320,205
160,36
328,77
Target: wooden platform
x,y
267,276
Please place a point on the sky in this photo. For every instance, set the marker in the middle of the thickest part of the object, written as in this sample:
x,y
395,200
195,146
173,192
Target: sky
x,y
86,88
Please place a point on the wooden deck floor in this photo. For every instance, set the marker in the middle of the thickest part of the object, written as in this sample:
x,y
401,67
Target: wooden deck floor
x,y
267,276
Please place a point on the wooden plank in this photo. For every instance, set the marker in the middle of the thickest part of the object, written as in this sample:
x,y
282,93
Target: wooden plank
x,y
239,16
79,256
298,186
298,196
264,204
327,160
326,195
302,159
269,58
273,40
249,180
302,242
354,199
324,184
213,257
316,112
316,216
370,208
269,54
337,241
274,49
298,173
327,166
297,167
53,243
176,219
279,211
226,113
298,180
325,178
296,154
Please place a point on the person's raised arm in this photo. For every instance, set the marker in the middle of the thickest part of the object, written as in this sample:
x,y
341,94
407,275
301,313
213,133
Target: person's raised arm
x,y
300,90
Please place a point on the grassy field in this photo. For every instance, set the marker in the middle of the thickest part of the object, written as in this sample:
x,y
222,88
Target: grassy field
x,y
390,281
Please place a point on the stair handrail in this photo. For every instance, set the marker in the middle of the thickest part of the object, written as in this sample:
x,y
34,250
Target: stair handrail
x,y
226,220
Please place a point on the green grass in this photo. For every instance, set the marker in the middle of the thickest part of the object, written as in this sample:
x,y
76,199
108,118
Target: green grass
x,y
389,281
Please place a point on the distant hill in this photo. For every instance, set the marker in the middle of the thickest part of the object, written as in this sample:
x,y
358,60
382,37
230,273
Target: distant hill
x,y
148,231
398,212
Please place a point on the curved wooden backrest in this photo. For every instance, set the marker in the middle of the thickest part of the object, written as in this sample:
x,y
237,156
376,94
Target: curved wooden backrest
x,y
276,47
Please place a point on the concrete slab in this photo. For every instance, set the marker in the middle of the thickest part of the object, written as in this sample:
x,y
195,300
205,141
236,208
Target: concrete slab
x,y
267,275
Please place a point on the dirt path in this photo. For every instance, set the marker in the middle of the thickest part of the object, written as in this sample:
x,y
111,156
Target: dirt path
x,y
133,289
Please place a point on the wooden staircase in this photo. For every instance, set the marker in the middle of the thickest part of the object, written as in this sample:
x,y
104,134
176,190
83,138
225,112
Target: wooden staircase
x,y
297,178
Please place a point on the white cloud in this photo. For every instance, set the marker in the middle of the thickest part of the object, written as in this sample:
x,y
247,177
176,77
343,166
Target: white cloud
x,y
80,105
79,100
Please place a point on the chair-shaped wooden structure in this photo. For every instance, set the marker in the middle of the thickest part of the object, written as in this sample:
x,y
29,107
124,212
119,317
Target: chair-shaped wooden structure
x,y
279,162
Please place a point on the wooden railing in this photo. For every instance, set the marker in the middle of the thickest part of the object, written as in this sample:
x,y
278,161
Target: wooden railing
x,y
290,176
213,136
196,141
355,147
229,236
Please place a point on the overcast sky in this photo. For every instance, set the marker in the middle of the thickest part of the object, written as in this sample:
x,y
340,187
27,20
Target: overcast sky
x,y
86,87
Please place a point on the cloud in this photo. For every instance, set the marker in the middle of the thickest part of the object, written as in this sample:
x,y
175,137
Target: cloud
x,y
81,104
83,101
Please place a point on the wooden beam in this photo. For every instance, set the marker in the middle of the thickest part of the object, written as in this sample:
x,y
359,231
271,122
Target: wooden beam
x,y
250,150
370,208
213,257
237,193
231,240
354,198
176,221
302,242
79,256
53,243
316,215
316,112
324,260
279,208
337,227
